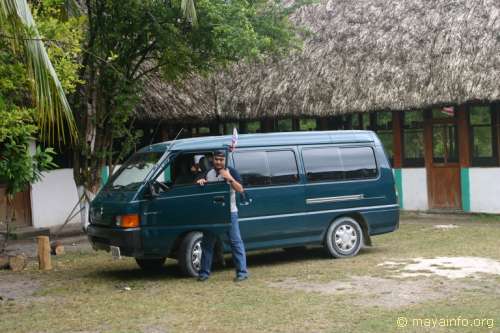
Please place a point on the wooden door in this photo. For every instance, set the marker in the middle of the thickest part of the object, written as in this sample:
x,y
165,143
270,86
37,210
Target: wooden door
x,y
22,206
442,159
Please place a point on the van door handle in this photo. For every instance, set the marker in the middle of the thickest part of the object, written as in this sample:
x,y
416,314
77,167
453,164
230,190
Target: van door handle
x,y
219,200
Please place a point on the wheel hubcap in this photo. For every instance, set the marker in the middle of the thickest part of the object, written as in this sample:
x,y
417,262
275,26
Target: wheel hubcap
x,y
345,237
196,255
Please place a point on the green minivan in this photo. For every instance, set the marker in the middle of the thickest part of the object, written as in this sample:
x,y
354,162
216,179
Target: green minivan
x,y
330,188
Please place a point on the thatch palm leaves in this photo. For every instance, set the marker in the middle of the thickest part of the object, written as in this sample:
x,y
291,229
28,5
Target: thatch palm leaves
x,y
54,114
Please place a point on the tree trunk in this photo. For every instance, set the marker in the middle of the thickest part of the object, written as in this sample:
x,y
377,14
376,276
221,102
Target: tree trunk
x,y
44,259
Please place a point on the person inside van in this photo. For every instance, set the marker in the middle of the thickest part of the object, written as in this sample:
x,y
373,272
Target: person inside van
x,y
232,177
198,169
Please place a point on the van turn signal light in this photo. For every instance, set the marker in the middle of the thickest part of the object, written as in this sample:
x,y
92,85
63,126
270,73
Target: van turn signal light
x,y
128,221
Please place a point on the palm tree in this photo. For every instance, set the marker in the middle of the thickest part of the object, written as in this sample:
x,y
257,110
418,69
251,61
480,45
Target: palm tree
x,y
55,118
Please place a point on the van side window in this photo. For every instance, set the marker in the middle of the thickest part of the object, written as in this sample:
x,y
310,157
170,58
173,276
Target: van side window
x,y
258,168
252,166
323,164
186,168
283,167
358,162
342,163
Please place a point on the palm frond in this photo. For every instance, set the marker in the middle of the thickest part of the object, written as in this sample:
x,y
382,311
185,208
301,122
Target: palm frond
x,y
55,118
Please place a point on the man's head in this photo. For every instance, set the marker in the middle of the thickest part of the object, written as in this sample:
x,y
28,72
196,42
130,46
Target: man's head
x,y
219,159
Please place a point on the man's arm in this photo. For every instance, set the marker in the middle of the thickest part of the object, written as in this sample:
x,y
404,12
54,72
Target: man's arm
x,y
234,179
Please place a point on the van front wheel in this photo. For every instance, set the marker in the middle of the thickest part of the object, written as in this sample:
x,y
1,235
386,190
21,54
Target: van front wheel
x,y
189,254
344,237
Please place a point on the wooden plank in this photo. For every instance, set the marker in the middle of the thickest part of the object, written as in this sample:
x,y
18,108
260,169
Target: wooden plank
x,y
463,136
397,135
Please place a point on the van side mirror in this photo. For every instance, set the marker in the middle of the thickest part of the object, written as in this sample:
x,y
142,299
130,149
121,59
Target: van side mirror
x,y
154,188
151,191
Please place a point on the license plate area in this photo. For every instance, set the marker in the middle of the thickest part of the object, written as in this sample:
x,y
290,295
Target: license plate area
x,y
115,252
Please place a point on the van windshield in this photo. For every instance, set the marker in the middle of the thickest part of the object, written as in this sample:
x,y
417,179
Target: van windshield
x,y
132,173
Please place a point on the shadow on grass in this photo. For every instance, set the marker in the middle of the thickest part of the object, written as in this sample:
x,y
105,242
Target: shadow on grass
x,y
254,260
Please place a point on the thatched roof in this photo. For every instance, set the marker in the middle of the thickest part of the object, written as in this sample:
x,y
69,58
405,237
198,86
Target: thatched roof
x,y
362,56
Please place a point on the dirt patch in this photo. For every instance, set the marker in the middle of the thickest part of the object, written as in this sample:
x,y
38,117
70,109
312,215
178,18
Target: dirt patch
x,y
445,226
382,292
448,267
14,287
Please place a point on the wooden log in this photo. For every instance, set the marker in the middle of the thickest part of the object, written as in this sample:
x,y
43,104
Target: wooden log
x,y
57,248
4,261
18,263
44,260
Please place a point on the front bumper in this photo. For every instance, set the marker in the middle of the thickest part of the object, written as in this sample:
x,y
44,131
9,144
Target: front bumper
x,y
128,240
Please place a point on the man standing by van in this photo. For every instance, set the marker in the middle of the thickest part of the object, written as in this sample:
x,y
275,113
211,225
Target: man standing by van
x,y
232,177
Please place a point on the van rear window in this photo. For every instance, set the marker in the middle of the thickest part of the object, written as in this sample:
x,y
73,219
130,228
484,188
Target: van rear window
x,y
339,163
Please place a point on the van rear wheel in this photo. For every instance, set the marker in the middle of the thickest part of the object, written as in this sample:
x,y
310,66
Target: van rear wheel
x,y
150,264
344,237
189,255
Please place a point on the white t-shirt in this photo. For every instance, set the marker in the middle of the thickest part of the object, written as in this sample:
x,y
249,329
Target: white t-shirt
x,y
213,177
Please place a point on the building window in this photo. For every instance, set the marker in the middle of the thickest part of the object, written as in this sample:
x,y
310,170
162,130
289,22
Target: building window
x,y
413,139
307,124
229,127
482,136
358,121
383,128
285,125
253,126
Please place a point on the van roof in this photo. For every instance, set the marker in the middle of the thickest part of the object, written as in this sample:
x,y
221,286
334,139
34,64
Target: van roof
x,y
267,139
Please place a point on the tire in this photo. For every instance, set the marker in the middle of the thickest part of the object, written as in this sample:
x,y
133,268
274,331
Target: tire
x,y
344,238
150,264
189,254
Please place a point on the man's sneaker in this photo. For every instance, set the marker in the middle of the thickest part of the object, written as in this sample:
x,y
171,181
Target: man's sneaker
x,y
202,278
240,278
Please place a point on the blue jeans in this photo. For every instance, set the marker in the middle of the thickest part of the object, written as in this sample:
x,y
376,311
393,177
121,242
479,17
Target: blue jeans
x,y
237,248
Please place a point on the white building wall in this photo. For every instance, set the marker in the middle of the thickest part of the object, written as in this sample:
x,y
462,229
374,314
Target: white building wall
x,y
414,189
484,190
53,198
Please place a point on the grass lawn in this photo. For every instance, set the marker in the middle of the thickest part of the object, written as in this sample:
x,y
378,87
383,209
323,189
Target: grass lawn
x,y
307,292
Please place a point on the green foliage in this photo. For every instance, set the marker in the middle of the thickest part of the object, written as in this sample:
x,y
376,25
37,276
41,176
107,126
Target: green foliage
x,y
18,167
64,39
54,115
129,39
